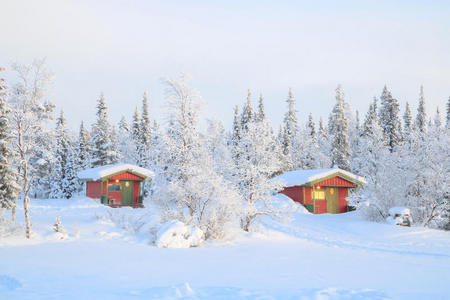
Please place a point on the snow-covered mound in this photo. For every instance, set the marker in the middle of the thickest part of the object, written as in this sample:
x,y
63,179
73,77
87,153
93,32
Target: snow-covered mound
x,y
175,234
285,203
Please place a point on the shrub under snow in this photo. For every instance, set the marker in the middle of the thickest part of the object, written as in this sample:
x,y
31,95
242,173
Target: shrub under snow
x,y
175,234
7,227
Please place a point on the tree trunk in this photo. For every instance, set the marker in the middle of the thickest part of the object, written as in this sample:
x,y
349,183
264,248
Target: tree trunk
x,y
13,210
26,200
246,223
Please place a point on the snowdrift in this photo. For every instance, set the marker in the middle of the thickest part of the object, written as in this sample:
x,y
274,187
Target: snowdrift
x,y
175,234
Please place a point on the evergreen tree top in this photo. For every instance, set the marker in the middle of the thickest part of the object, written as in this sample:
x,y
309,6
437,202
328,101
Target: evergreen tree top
x,y
101,107
61,121
437,118
123,125
421,113
290,118
448,113
261,109
407,119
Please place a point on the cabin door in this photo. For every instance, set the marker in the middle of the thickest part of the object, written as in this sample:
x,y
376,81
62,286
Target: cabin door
x,y
332,200
127,193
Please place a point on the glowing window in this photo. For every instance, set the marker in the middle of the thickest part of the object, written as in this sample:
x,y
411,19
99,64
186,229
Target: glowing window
x,y
318,195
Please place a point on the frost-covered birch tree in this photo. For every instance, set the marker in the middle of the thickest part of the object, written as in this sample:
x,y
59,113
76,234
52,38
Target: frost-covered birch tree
x,y
187,186
29,113
258,161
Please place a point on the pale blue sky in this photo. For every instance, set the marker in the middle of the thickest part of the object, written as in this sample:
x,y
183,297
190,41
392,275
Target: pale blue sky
x,y
123,48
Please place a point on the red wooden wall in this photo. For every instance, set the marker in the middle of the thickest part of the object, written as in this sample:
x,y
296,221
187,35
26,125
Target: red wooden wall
x,y
136,192
342,203
126,176
294,192
336,181
93,189
308,196
320,207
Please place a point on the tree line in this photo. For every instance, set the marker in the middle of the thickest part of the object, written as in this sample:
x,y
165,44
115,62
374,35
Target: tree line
x,y
219,177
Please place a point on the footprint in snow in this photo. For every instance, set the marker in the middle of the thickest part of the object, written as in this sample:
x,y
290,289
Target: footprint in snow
x,y
8,283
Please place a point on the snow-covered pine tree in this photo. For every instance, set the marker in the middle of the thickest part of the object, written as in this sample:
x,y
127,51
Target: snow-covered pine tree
x,y
421,118
309,156
57,227
378,166
261,114
236,130
115,154
357,125
83,149
64,181
290,131
323,142
136,133
447,123
103,152
247,115
437,119
312,127
145,135
29,114
389,119
338,130
126,146
407,121
8,178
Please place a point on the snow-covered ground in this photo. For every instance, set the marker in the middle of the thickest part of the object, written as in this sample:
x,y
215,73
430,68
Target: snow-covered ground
x,y
313,257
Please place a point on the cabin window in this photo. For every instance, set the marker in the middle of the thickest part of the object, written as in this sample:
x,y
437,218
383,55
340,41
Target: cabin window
x,y
113,187
318,195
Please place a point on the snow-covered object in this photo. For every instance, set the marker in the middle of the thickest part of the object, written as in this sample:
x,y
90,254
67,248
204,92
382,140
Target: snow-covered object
x,y
399,215
103,171
175,234
300,177
399,210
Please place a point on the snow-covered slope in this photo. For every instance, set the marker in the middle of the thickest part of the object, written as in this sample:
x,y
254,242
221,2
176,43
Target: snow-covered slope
x,y
313,257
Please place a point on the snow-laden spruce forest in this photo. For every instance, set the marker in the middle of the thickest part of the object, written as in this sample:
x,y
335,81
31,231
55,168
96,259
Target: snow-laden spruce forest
x,y
57,244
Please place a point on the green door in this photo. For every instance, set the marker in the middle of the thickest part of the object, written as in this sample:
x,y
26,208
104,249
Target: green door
x,y
127,193
332,200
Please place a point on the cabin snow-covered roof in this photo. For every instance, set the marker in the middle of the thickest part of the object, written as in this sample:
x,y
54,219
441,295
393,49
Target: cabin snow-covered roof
x,y
108,170
301,177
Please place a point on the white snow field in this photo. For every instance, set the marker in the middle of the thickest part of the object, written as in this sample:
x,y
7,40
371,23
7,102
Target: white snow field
x,y
313,257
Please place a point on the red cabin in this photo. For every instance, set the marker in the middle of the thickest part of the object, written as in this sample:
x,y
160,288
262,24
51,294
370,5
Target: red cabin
x,y
116,185
320,191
